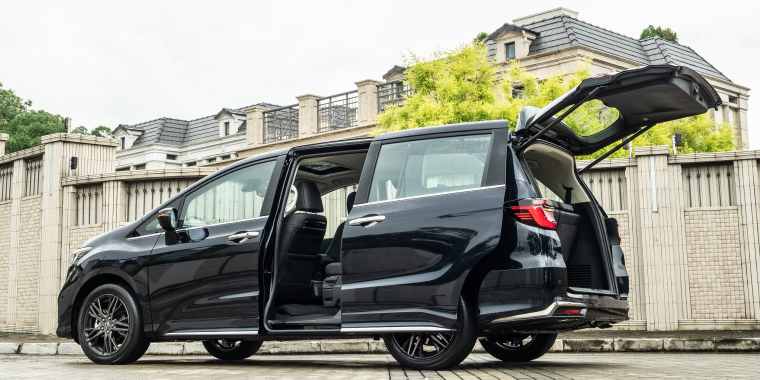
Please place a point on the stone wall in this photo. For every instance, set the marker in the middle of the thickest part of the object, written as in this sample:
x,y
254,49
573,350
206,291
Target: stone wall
x,y
715,264
5,248
29,261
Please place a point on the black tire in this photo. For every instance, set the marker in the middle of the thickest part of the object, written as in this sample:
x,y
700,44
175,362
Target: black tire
x,y
226,349
515,348
445,355
110,326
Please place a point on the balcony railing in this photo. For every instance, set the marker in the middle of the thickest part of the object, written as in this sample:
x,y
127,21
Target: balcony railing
x,y
392,93
33,183
281,124
338,111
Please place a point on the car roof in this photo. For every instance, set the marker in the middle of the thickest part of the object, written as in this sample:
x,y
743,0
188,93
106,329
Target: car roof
x,y
448,128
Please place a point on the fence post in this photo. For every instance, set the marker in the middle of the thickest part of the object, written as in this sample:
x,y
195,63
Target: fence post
x,y
367,101
254,132
748,200
3,138
307,115
660,240
17,188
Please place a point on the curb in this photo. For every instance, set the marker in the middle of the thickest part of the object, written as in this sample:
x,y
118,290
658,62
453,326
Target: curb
x,y
378,347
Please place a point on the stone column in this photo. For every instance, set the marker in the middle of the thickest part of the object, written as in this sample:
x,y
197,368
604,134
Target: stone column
x,y
367,101
746,183
660,239
3,138
742,125
307,115
96,155
17,192
254,130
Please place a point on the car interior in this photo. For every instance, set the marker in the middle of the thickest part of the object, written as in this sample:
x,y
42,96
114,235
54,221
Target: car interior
x,y
579,233
307,293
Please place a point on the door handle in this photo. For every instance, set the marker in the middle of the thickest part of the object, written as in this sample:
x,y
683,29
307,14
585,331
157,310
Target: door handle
x,y
366,219
243,235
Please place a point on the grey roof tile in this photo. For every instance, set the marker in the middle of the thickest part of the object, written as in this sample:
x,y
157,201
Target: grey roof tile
x,y
563,31
183,132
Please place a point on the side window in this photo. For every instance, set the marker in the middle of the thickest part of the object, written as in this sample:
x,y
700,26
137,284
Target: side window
x,y
432,166
235,196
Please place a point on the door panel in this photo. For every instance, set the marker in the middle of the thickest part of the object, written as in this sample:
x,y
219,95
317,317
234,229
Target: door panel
x,y
408,268
206,281
431,215
209,278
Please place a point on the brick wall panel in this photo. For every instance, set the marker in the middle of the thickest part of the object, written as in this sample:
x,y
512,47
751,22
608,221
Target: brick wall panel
x,y
5,248
29,261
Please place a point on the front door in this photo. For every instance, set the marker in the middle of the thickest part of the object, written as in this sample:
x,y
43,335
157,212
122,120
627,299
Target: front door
x,y
208,280
427,215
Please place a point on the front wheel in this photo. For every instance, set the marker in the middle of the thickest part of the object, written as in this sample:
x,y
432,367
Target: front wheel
x,y
110,326
436,350
519,347
226,349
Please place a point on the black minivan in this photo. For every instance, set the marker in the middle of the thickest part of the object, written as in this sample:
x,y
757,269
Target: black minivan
x,y
453,233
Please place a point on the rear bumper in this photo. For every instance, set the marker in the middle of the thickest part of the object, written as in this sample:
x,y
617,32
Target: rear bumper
x,y
595,311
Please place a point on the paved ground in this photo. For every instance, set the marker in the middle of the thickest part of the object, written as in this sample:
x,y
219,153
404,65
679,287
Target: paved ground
x,y
334,367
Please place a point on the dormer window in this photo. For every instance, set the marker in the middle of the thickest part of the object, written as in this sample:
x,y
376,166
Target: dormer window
x,y
510,49
226,128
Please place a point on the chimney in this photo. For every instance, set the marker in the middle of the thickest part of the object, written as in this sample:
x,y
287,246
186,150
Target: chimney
x,y
67,124
520,21
3,139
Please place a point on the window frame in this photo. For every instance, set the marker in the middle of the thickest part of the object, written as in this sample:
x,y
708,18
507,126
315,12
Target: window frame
x,y
498,137
226,128
506,50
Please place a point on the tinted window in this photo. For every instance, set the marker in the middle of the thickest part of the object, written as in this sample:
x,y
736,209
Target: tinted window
x,y
235,196
424,167
150,225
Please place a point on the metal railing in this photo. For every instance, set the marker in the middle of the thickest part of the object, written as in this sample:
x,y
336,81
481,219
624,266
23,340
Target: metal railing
x,y
89,200
281,124
6,182
33,181
143,196
338,111
392,94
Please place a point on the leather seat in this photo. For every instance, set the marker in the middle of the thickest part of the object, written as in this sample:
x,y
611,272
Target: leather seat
x,y
568,226
300,240
332,255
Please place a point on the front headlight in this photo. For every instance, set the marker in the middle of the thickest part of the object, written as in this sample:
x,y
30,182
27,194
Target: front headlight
x,y
79,253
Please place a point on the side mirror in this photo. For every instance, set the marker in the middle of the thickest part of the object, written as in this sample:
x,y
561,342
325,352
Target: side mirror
x,y
167,218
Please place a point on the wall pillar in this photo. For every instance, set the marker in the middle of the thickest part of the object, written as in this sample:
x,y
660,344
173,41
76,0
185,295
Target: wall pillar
x,y
254,132
307,115
660,240
96,155
17,189
748,200
3,138
367,101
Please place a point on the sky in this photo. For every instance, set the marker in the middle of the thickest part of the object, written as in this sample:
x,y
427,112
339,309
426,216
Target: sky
x,y
110,63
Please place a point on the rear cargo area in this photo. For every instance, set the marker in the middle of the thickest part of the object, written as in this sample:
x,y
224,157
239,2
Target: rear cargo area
x,y
580,232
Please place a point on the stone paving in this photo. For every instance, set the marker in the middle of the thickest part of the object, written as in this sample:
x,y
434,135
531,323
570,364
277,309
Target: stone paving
x,y
477,366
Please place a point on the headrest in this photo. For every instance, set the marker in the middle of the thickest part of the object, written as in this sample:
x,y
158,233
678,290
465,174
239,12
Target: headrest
x,y
350,201
308,197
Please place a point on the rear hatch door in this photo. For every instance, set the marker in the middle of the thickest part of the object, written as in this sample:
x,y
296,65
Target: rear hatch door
x,y
642,96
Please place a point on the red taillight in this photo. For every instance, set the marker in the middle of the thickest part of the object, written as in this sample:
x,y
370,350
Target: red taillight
x,y
571,311
538,214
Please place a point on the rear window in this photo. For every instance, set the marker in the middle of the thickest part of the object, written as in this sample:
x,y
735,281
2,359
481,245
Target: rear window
x,y
425,167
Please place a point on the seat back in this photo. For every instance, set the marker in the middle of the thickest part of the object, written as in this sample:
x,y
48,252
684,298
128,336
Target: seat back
x,y
300,239
568,226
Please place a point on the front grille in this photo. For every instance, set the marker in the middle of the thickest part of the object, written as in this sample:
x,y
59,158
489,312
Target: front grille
x,y
579,276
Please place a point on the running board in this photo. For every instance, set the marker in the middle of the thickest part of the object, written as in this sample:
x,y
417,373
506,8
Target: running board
x,y
548,312
212,332
394,329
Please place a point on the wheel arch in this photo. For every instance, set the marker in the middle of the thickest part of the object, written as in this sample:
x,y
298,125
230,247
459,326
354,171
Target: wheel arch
x,y
87,288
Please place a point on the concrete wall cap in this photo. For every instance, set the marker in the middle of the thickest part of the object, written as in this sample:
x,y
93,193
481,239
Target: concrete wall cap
x,y
308,96
651,150
77,138
253,109
4,137
368,81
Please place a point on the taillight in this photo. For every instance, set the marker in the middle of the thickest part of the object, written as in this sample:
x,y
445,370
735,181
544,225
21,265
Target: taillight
x,y
570,311
538,214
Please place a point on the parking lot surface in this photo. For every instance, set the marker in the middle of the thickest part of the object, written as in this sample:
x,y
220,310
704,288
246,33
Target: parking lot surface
x,y
477,366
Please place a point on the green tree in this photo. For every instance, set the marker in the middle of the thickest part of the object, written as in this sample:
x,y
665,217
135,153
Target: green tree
x,y
460,85
666,33
80,130
480,38
102,131
11,105
27,128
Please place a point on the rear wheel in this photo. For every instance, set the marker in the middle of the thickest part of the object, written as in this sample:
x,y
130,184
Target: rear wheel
x,y
110,326
436,350
519,347
226,349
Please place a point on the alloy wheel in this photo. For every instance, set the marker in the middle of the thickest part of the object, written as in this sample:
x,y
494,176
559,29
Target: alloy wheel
x,y
106,324
515,342
226,344
423,345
